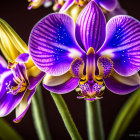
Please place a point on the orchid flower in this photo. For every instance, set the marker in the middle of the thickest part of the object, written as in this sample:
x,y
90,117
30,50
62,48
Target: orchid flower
x,y
91,54
108,5
17,81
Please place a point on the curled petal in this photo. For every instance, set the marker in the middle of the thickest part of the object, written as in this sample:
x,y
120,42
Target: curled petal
x,y
11,44
66,5
23,106
8,101
90,27
52,44
122,85
23,58
109,5
122,44
60,84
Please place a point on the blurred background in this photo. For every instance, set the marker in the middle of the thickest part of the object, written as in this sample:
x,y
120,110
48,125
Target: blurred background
x,y
22,21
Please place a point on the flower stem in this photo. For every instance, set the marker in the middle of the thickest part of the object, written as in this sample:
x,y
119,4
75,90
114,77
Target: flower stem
x,y
65,114
125,116
94,120
39,116
7,132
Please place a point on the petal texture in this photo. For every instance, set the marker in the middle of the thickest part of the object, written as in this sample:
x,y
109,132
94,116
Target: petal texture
x,y
8,101
90,27
52,44
122,44
122,85
60,84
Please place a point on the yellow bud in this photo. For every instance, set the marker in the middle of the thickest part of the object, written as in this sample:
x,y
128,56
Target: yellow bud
x,y
11,44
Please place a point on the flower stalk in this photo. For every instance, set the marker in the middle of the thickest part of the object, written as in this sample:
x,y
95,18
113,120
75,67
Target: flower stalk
x,y
94,120
66,116
39,116
125,116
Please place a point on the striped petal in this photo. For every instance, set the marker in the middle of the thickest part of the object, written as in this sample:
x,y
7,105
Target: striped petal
x,y
122,85
60,84
8,101
22,108
52,44
107,4
90,27
122,44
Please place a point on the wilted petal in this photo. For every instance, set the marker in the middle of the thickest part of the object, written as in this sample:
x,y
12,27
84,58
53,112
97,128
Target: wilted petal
x,y
107,4
122,44
60,84
11,44
90,27
66,5
23,106
52,44
8,101
122,85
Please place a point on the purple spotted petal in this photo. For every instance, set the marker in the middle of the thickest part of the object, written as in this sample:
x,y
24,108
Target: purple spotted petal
x,y
107,4
22,58
122,44
22,108
90,27
122,85
60,84
52,44
8,101
66,5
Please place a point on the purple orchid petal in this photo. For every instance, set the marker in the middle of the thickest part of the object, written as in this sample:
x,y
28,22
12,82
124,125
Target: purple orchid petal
x,y
22,108
66,5
122,44
90,27
33,81
122,85
22,58
117,11
8,101
52,44
60,84
107,4
3,63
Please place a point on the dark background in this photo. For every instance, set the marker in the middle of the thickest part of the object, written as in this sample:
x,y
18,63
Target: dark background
x,y
21,20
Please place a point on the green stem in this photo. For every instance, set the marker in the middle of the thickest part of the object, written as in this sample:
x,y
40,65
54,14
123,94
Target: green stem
x,y
94,120
39,116
125,116
7,132
65,114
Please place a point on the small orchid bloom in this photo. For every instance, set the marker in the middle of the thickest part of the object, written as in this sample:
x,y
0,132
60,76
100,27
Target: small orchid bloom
x,y
108,5
34,4
91,54
18,81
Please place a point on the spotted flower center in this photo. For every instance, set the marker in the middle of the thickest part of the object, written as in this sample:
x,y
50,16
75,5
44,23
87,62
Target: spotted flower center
x,y
91,85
